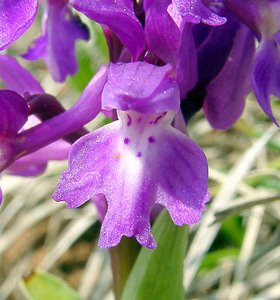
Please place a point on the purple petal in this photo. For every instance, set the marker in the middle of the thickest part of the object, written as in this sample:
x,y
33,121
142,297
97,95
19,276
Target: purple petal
x,y
83,111
195,11
25,169
38,48
213,48
266,70
35,164
181,179
15,18
13,112
100,202
56,45
135,166
250,12
226,93
119,16
186,70
141,87
16,78
162,34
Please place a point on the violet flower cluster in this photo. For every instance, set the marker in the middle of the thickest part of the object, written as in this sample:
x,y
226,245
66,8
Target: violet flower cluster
x,y
168,60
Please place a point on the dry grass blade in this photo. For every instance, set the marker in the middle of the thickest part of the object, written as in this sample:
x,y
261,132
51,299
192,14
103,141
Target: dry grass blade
x,y
91,273
272,293
12,280
72,232
252,230
27,221
244,203
207,233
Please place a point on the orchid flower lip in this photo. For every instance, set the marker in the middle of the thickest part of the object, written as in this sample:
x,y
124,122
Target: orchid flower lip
x,y
138,160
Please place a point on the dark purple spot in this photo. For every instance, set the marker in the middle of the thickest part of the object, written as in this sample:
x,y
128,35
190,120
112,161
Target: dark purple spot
x,y
151,139
126,140
139,154
139,120
151,122
159,117
129,120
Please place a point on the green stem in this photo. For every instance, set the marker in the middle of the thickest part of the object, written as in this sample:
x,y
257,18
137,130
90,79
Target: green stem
x,y
123,257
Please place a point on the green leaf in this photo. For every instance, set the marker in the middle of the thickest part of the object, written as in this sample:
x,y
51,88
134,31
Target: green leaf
x,y
158,274
44,286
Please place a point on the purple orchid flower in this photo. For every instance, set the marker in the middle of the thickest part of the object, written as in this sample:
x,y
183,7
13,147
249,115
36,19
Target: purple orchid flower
x,y
225,56
56,45
168,32
15,18
263,18
139,160
14,119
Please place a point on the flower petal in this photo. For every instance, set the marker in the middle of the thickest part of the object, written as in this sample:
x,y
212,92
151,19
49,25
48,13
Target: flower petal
x,y
140,87
56,45
213,48
186,70
16,78
162,34
195,11
181,179
226,93
13,112
170,170
119,16
16,17
266,69
35,163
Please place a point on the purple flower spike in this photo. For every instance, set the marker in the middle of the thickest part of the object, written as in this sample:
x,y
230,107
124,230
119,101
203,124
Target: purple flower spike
x,y
119,16
16,16
139,160
265,74
56,45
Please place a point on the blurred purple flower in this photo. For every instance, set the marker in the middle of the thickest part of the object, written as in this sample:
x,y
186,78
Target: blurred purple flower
x,y
16,16
14,113
138,160
263,18
56,45
16,78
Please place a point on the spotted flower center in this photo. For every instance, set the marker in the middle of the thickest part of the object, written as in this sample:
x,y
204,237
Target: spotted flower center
x,y
139,131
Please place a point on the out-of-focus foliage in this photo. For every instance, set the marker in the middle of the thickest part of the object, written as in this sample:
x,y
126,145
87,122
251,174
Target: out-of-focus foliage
x,y
44,286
